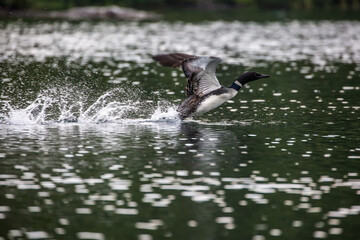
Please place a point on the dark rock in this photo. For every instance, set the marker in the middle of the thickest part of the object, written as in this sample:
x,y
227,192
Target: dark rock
x,y
86,13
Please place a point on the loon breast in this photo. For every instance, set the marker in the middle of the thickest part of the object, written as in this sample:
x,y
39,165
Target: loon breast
x,y
213,101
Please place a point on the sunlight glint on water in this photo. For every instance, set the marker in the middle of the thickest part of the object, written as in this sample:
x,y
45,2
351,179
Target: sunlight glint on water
x,y
91,147
236,42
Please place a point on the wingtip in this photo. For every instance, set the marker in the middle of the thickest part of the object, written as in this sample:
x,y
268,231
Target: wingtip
x,y
156,57
171,59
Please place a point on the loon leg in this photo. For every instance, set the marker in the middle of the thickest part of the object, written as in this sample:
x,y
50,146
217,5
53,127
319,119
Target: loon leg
x,y
188,106
181,116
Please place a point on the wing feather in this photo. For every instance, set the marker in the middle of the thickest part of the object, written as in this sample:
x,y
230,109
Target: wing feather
x,y
172,59
208,81
200,71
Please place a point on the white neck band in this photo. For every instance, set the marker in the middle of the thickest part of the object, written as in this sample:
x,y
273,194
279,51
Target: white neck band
x,y
237,83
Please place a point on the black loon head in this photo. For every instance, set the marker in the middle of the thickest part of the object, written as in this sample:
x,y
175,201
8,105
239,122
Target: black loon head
x,y
251,76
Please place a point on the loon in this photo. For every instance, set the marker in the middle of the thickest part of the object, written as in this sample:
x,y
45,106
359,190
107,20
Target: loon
x,y
203,90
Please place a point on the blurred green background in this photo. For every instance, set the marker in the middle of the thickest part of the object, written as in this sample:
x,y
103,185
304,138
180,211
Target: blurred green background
x,y
327,5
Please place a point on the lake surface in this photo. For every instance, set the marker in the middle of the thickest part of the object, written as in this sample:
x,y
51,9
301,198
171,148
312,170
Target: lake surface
x,y
91,148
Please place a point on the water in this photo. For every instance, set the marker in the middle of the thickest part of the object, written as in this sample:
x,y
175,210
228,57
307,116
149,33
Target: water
x,y
91,146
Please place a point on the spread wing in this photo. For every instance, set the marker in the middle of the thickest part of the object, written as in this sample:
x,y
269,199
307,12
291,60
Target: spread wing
x,y
200,71
173,59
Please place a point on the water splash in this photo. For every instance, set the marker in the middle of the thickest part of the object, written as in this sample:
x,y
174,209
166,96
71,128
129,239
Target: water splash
x,y
50,106
160,113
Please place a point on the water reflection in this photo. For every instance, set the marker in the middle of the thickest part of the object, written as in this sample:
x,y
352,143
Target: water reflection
x,y
150,172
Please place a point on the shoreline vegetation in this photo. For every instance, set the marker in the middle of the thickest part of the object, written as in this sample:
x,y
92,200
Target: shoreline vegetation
x,y
187,10
85,13
307,5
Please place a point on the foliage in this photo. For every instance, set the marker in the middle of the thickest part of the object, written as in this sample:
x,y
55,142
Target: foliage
x,y
268,4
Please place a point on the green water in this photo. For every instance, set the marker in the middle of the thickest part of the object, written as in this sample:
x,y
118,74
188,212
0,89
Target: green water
x,y
90,147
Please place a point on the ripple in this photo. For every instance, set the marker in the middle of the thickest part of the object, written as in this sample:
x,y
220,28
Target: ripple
x,y
237,42
90,235
120,165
